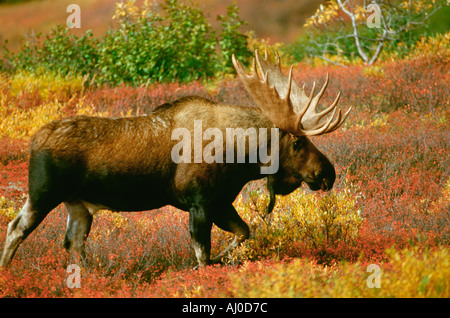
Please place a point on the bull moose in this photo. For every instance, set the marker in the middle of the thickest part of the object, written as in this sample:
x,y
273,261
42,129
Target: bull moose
x,y
129,164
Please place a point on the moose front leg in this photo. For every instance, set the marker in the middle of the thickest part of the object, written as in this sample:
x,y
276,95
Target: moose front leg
x,y
272,198
200,228
229,220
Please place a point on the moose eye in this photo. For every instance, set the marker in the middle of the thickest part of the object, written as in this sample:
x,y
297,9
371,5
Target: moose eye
x,y
299,143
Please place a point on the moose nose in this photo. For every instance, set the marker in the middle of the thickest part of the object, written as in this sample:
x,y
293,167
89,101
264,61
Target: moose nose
x,y
326,179
326,186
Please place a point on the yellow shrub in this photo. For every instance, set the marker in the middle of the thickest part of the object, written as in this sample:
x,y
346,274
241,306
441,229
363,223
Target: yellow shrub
x,y
379,120
54,91
299,278
337,59
418,276
324,218
446,191
374,71
46,84
312,219
408,273
111,222
437,46
17,123
261,45
7,208
82,108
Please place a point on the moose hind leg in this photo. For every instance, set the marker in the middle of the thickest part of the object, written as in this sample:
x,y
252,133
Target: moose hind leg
x,y
79,224
229,220
19,228
200,229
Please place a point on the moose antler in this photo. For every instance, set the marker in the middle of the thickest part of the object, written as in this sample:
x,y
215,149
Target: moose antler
x,y
284,102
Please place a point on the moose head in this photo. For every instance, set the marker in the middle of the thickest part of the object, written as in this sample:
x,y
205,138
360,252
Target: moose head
x,y
295,113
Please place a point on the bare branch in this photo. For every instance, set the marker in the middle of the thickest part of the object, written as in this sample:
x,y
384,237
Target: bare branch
x,y
369,47
378,50
355,31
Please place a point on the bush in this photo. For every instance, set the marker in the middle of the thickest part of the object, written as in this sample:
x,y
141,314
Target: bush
x,y
231,40
339,33
151,46
408,273
60,52
299,223
172,42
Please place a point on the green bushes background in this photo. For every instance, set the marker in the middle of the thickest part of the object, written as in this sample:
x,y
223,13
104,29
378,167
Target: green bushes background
x,y
165,43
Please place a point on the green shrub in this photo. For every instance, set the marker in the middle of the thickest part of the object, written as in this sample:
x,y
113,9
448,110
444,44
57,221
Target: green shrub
x,y
231,40
165,43
60,52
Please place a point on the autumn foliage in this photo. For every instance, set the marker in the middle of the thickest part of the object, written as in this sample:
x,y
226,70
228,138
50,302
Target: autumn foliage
x,y
390,205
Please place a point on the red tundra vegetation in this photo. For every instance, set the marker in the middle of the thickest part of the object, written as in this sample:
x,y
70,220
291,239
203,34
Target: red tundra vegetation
x,y
390,205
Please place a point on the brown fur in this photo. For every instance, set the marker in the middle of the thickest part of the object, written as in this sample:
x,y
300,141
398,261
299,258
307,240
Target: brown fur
x,y
125,164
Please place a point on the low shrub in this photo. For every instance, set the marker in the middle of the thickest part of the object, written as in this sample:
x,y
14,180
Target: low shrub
x,y
407,273
300,223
